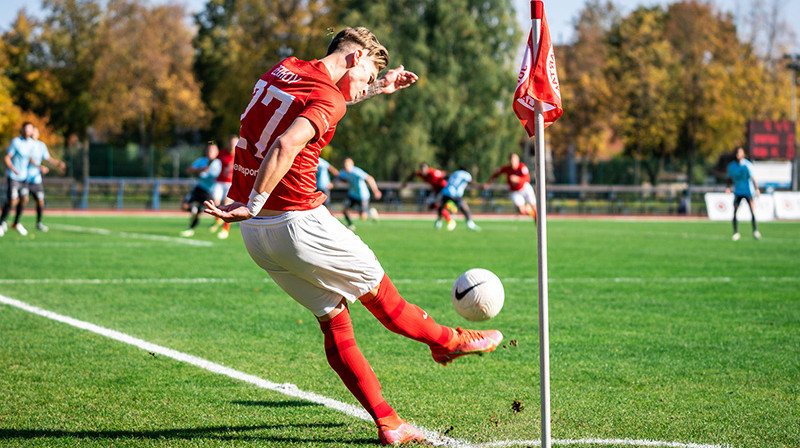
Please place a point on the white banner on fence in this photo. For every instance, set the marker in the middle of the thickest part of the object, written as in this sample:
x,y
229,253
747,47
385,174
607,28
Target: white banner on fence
x,y
787,205
720,207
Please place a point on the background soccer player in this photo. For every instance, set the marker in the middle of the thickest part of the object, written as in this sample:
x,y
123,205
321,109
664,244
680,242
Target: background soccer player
x,y
35,171
437,179
324,171
309,253
17,159
357,192
519,185
740,172
208,168
457,184
226,158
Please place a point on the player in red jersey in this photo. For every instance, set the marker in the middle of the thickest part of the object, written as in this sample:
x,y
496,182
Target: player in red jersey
x,y
223,185
519,183
437,179
289,233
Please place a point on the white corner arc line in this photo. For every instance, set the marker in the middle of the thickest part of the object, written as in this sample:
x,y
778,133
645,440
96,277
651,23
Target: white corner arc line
x,y
140,236
291,390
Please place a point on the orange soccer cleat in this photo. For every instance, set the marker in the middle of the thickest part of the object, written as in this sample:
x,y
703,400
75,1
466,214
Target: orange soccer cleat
x,y
467,342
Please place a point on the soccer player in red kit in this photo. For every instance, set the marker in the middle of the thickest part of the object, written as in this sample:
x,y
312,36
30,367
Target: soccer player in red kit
x,y
437,179
309,253
519,183
223,185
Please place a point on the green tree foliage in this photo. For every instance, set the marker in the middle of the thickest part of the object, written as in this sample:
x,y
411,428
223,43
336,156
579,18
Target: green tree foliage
x,y
642,68
144,81
586,91
9,112
459,112
70,37
237,41
33,86
670,82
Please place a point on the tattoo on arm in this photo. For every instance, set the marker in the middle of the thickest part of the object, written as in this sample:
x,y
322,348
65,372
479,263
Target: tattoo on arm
x,y
374,89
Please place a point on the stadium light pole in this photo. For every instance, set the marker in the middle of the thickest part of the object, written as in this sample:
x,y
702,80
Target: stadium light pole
x,y
793,64
537,13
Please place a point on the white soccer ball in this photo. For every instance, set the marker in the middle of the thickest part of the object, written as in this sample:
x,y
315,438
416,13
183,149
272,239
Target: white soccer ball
x,y
478,295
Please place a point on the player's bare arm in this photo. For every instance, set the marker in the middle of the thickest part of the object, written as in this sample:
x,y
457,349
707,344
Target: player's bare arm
x,y
374,187
9,165
392,81
275,165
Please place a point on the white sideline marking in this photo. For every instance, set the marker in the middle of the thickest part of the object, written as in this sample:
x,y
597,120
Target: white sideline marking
x,y
109,281
140,236
291,390
618,280
591,280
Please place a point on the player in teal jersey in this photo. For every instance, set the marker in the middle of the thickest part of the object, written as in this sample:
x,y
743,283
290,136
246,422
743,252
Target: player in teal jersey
x,y
454,192
324,171
207,168
35,172
358,193
740,173
17,159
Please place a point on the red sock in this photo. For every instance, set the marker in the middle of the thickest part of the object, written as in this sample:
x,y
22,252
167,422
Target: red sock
x,y
354,370
446,214
226,227
405,318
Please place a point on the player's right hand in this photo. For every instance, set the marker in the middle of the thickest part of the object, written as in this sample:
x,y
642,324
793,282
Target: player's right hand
x,y
229,213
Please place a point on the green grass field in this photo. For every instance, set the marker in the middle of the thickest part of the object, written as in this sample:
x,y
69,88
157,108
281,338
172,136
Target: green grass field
x,y
660,331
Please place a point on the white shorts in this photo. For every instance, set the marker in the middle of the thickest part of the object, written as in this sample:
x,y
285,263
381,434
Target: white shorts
x,y
524,196
220,191
313,257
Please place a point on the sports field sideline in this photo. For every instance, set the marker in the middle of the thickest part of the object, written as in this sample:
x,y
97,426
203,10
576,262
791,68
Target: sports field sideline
x,y
663,333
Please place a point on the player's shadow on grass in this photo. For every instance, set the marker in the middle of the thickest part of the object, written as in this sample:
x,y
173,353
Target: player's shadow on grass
x,y
276,404
220,433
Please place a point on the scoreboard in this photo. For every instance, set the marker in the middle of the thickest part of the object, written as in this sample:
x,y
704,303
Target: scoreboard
x,y
771,139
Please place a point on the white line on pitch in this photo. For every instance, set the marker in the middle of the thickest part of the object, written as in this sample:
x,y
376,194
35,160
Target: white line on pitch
x,y
140,236
293,391
589,280
619,280
110,281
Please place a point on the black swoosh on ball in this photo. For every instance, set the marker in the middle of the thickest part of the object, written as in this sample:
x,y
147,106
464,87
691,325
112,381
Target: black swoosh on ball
x,y
460,295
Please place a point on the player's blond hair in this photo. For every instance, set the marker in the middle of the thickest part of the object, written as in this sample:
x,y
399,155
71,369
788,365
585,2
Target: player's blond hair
x,y
350,39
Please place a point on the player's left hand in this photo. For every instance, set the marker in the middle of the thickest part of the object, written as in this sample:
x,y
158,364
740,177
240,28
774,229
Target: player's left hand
x,y
396,79
229,213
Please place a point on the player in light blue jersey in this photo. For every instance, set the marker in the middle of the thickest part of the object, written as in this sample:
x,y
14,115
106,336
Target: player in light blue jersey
x,y
17,159
740,173
454,192
207,168
357,193
35,172
324,171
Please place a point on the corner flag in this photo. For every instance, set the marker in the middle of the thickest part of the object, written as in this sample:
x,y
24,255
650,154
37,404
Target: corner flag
x,y
537,103
540,83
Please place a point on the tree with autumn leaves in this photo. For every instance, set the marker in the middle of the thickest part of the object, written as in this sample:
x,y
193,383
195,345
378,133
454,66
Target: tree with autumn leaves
x,y
673,83
669,83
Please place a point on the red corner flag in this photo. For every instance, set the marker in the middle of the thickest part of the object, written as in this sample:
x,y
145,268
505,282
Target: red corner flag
x,y
542,85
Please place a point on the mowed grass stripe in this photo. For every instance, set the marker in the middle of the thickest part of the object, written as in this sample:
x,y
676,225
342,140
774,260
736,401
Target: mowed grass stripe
x,y
652,337
293,391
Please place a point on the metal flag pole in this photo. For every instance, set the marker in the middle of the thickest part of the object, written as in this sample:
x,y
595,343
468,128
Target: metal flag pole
x,y
537,13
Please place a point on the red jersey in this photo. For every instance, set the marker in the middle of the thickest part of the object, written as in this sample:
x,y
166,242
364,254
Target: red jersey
x,y
521,171
292,89
226,174
435,178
